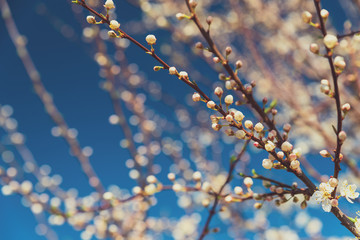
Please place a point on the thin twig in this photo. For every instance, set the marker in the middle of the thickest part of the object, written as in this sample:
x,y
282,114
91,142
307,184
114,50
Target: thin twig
x,y
212,211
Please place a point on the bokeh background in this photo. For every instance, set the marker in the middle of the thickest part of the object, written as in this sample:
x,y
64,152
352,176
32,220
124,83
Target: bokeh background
x,y
69,72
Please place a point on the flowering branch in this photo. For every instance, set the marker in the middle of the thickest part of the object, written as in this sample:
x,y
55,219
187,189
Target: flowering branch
x,y
212,211
213,48
336,91
350,34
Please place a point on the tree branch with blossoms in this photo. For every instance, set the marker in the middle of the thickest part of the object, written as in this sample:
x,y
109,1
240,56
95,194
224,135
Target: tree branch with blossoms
x,y
293,165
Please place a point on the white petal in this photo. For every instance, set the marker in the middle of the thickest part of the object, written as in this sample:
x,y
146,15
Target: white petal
x,y
326,205
347,198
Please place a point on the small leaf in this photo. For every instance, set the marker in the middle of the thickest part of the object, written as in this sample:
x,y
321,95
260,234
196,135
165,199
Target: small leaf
x,y
271,106
333,127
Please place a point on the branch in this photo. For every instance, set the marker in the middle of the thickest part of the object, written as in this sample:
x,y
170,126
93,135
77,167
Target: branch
x,y
212,212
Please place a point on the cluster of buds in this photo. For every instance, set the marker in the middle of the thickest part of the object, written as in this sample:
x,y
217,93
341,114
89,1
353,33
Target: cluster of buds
x,y
325,86
230,84
339,64
215,123
152,187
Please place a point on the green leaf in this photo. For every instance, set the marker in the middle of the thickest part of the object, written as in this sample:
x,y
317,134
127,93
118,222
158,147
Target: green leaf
x,y
232,159
271,106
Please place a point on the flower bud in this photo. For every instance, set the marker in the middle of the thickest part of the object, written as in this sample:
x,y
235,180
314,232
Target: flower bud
x,y
229,118
325,82
257,205
342,136
280,155
193,4
267,164
238,64
229,99
171,176
216,126
109,4
157,68
286,146
259,127
216,59
295,164
228,199
210,104
339,63
330,41
334,202
214,119
180,16
150,189
209,20
248,124
306,16
240,134
279,190
324,14
136,190
199,45
292,156
248,182
333,182
218,91
222,76
314,48
269,146
228,50
238,190
183,75
114,25
150,39
151,179
112,34
287,127
324,153
196,97
228,85
196,176
91,19
172,71
239,116
346,107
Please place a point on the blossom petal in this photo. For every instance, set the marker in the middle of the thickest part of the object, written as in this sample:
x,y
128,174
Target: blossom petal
x,y
326,205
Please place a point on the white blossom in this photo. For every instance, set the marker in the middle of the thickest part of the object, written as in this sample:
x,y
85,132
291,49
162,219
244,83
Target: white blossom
x,y
348,191
323,195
